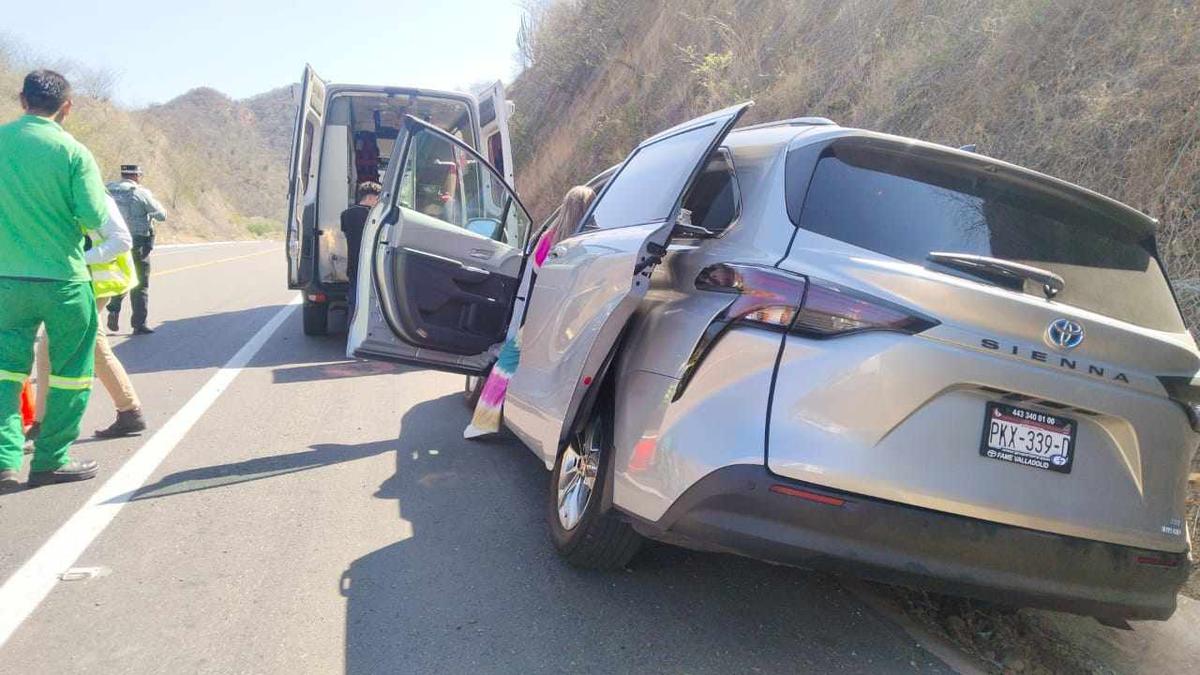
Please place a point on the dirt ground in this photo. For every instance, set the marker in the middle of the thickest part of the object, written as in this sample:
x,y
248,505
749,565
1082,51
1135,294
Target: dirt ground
x,y
1192,588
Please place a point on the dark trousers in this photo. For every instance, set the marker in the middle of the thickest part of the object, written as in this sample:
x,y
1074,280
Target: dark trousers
x,y
140,296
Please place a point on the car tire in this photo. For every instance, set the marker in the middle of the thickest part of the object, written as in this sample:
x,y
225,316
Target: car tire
x,y
316,317
584,536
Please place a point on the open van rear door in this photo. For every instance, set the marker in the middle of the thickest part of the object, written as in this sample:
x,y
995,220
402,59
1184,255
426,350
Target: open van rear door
x,y
310,112
494,143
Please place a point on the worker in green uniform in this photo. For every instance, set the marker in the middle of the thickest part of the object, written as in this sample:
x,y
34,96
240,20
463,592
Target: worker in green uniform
x,y
50,195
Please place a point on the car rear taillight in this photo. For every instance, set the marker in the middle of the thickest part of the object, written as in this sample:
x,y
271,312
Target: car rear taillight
x,y
1186,392
804,305
772,298
765,295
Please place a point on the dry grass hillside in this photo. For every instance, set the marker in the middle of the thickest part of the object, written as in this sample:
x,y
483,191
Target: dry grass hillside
x,y
218,165
220,144
1104,93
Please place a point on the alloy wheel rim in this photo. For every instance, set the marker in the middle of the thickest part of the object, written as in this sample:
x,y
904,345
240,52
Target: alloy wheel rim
x,y
577,480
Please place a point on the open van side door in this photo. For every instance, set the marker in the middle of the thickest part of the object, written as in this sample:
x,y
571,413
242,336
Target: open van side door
x,y
595,278
494,142
310,113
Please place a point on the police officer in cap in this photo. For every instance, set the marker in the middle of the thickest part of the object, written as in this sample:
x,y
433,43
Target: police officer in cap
x,y
140,209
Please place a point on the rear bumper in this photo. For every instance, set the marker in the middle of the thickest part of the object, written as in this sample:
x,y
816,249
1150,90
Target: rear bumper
x,y
734,510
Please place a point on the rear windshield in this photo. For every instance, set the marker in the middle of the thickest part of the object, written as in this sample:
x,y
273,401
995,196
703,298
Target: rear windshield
x,y
906,206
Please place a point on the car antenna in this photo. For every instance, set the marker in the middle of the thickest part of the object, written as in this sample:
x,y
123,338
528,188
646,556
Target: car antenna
x,y
970,147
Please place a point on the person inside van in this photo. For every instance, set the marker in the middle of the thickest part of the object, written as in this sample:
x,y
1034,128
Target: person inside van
x,y
354,219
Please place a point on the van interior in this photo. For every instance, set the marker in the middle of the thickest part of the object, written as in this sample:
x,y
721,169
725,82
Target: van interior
x,y
360,133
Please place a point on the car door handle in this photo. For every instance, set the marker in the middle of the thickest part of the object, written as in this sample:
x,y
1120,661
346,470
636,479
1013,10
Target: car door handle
x,y
558,251
481,253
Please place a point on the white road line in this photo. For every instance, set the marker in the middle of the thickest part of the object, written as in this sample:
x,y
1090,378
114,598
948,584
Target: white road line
x,y
210,243
29,585
176,249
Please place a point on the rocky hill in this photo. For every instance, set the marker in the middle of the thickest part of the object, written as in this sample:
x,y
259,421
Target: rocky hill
x,y
237,148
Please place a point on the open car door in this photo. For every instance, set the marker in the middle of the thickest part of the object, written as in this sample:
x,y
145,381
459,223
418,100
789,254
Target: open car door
x,y
442,255
440,292
596,276
310,111
494,111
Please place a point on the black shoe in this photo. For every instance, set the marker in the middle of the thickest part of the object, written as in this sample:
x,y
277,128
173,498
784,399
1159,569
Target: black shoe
x,y
8,481
142,330
114,322
76,469
128,423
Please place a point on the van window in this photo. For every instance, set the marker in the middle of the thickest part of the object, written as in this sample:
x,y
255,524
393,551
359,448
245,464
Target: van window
x,y
495,151
443,180
306,156
907,206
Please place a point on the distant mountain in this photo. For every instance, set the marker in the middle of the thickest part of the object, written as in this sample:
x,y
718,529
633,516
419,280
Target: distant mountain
x,y
219,165
238,147
275,116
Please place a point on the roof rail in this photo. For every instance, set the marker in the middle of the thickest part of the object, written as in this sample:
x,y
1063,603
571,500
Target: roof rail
x,y
793,122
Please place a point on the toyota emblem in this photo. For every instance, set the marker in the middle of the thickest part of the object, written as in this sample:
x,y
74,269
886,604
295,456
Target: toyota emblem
x,y
1064,334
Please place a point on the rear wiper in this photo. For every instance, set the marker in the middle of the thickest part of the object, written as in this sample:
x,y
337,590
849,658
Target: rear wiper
x,y
1052,284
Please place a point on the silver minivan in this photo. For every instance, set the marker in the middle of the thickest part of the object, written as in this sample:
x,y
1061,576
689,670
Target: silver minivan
x,y
344,135
822,347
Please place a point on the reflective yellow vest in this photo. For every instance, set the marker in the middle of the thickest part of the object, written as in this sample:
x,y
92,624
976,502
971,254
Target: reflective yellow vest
x,y
114,277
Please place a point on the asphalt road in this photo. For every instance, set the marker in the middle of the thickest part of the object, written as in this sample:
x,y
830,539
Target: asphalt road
x,y
323,515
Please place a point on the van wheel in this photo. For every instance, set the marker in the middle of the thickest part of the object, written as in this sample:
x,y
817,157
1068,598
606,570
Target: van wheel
x,y
316,317
583,535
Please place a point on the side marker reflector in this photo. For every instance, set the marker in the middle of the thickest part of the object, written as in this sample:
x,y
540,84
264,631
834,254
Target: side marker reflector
x,y
1157,562
806,495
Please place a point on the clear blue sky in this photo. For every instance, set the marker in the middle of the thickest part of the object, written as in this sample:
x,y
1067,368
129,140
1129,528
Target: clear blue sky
x,y
163,48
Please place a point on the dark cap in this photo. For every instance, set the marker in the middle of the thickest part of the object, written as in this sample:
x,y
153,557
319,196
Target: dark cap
x,y
131,170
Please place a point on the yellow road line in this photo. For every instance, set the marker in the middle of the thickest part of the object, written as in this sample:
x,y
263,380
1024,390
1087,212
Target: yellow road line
x,y
212,262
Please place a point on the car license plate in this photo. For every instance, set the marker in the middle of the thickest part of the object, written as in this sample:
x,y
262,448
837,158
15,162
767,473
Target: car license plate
x,y
1028,437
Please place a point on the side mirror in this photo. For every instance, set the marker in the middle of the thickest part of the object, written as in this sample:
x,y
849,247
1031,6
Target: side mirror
x,y
686,230
487,227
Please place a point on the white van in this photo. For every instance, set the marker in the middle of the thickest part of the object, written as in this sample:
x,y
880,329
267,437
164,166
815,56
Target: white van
x,y
344,136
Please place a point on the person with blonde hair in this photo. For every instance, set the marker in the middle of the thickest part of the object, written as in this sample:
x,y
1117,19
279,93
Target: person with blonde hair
x,y
486,419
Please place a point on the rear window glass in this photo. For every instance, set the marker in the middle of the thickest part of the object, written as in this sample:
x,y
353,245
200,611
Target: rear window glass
x,y
647,187
906,207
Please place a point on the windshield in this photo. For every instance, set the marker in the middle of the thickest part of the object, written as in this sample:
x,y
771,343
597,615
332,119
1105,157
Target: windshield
x,y
905,206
